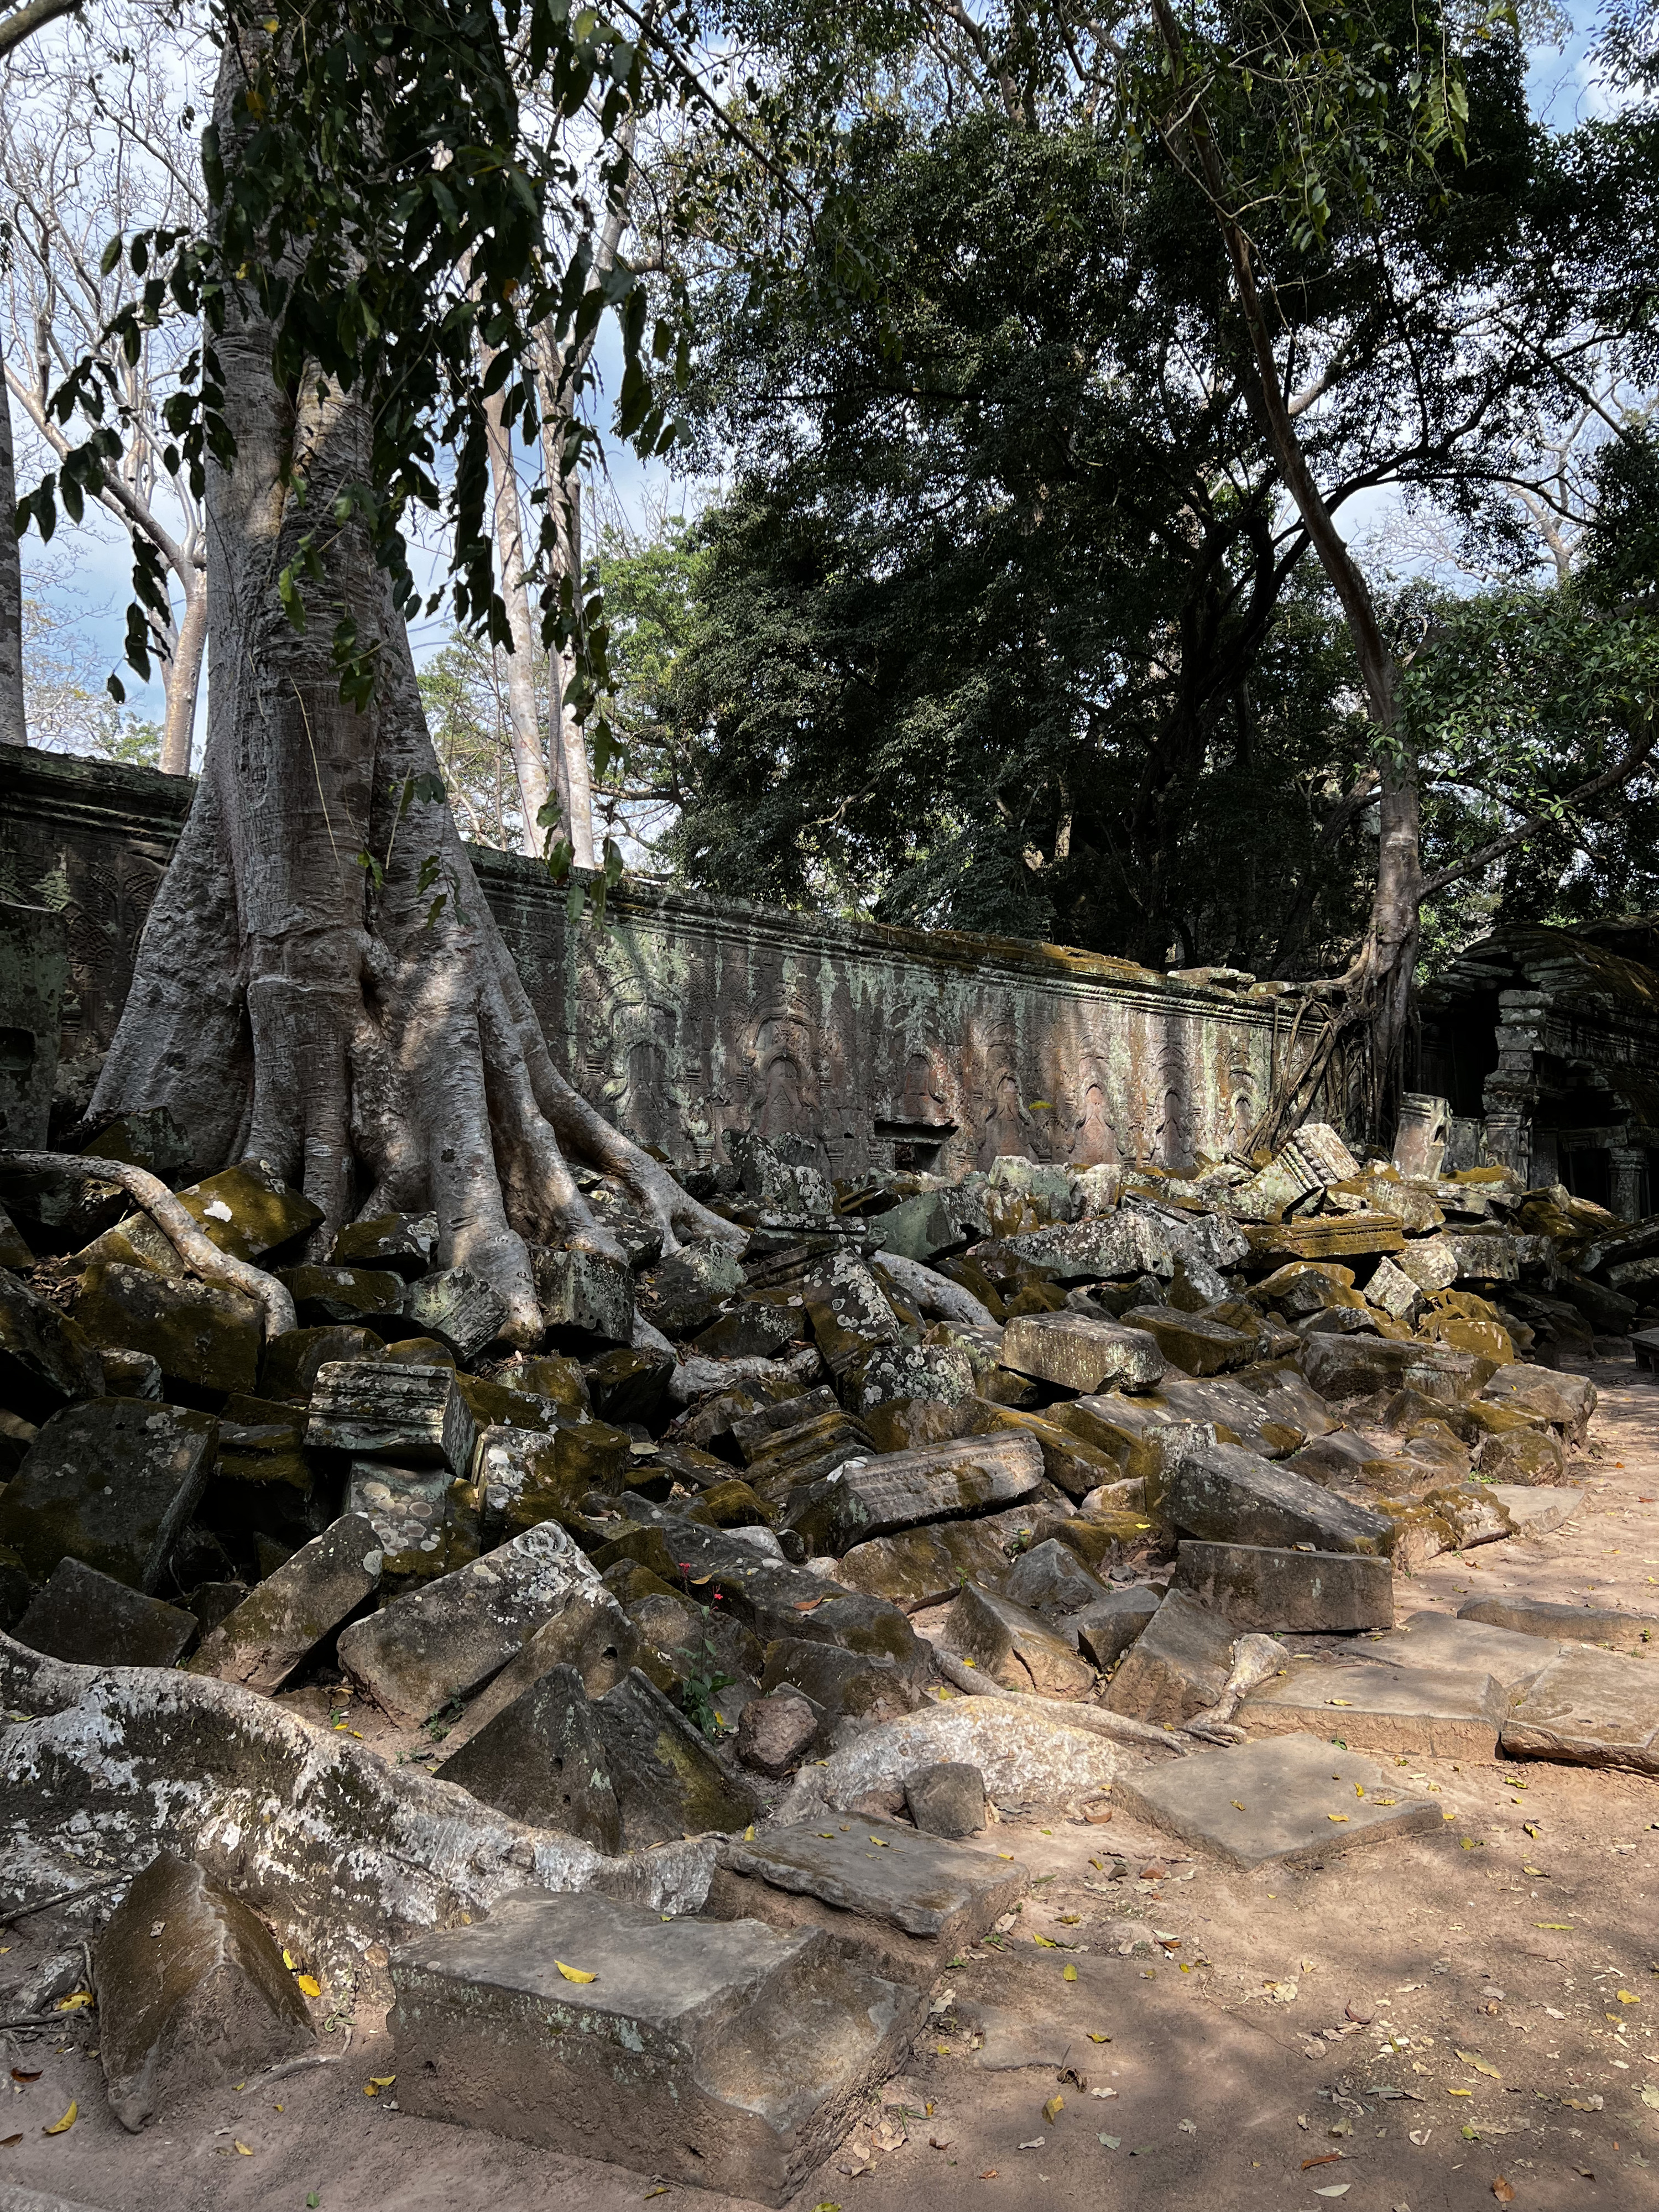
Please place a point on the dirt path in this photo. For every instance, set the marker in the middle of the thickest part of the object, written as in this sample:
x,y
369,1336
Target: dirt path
x,y
1526,1938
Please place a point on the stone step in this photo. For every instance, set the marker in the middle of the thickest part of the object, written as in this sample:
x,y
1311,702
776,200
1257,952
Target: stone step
x,y
1439,1711
905,1902
1291,1801
718,2054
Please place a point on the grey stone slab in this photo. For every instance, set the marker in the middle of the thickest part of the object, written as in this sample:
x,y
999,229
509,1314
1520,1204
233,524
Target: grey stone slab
x,y
1531,1509
418,1416
1591,1708
92,1620
1176,1667
1565,1401
201,1335
1080,1353
458,1308
1196,1343
261,1641
1444,1712
192,1992
1435,1639
446,1639
46,1360
1105,1630
718,2054
924,1885
1052,1580
1287,1801
585,1295
542,1760
13,2199
946,1799
1268,1586
1013,1645
1575,1624
1223,1494
876,1496
925,1566
110,1483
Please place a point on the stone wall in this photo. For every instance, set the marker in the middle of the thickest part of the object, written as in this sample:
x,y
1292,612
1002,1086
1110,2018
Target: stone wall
x,y
682,1016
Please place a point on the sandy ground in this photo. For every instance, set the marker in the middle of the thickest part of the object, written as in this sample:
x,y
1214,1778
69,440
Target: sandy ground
x,y
1525,1937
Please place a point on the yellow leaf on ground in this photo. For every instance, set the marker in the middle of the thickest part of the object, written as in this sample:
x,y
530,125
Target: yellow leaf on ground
x,y
242,2150
573,1974
61,2127
1047,1943
1628,1997
74,2003
1053,2109
1450,2091
290,1960
1480,2065
309,1986
1340,1817
1068,1974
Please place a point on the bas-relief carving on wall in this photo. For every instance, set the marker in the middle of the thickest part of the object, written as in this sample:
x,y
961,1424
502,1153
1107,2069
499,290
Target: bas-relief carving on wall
x,y
681,1020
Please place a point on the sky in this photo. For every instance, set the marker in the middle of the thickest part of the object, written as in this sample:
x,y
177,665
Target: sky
x,y
83,576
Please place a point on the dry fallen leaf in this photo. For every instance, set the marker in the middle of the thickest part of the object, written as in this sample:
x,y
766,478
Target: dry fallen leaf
x,y
9,2143
1053,2109
990,2174
308,1985
61,2127
1325,2158
573,1974
74,2003
1502,2190
19,2075
1093,2037
242,2149
1068,1973
1480,2065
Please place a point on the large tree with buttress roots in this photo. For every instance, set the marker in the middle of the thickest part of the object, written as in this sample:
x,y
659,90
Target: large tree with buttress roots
x,y
320,985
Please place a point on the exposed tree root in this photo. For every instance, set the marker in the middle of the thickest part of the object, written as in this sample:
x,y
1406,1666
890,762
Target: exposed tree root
x,y
185,1234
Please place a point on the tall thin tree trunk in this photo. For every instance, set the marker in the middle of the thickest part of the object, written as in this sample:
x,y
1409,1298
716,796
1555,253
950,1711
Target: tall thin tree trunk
x,y
184,681
523,714
14,719
569,738
1379,982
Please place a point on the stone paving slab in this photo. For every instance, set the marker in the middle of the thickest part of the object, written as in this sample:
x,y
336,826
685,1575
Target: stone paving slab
x,y
1572,1624
719,2053
1289,1801
1434,1712
1534,1511
1432,1639
1593,1708
883,1870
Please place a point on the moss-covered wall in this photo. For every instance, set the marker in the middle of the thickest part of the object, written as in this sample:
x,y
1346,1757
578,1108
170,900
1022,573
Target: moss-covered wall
x,y
682,1017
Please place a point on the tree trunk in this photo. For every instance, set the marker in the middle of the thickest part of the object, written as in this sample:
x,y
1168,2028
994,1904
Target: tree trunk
x,y
523,714
569,740
184,681
14,720
292,1006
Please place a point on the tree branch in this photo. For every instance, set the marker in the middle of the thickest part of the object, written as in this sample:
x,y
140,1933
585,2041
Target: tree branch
x,y
1609,780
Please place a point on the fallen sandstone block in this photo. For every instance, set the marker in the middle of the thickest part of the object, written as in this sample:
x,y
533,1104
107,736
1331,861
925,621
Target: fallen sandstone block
x,y
903,1902
458,1308
1274,1587
1193,1342
720,2053
946,1799
1290,1801
448,1638
1178,1666
1014,1646
870,1498
202,1337
1032,1761
1590,1708
1473,1647
925,1566
1052,1580
192,1992
1578,1623
46,1360
418,1416
1444,1712
584,1296
1223,1494
1080,1353
93,1620
262,1641
111,1482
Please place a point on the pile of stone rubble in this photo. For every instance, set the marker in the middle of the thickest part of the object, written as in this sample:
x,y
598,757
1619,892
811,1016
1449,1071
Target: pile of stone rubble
x,y
696,1640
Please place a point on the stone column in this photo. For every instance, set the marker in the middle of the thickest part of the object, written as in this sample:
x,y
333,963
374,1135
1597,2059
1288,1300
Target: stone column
x,y
1511,1088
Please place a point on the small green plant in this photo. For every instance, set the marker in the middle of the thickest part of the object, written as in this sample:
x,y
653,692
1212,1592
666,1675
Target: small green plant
x,y
703,1684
